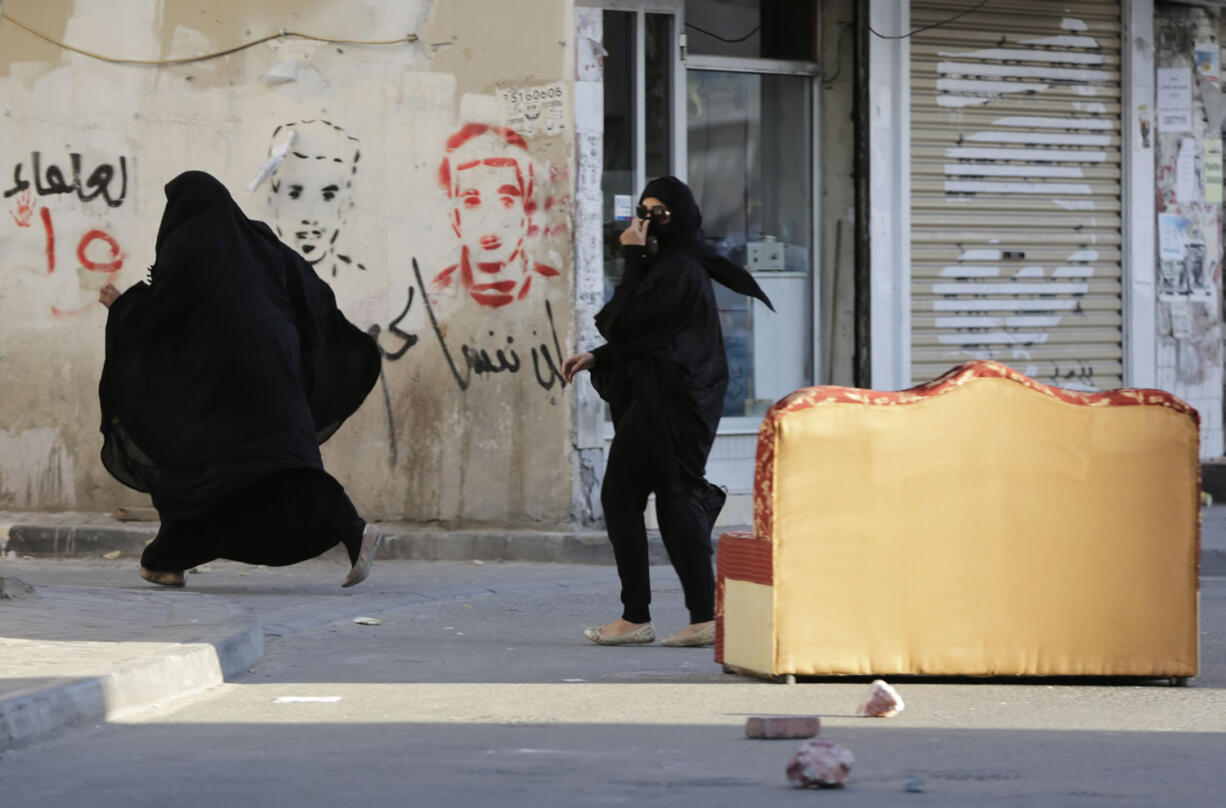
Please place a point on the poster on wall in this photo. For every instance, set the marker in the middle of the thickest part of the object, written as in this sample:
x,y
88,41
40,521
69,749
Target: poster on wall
x,y
1183,260
533,111
1208,61
1174,99
1213,170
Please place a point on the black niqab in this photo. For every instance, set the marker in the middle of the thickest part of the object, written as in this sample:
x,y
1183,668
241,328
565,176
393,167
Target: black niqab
x,y
684,233
665,349
232,365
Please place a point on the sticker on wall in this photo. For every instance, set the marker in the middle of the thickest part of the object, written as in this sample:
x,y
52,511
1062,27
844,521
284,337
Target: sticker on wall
x,y
623,204
1174,99
1208,61
1145,125
1213,170
1172,229
533,111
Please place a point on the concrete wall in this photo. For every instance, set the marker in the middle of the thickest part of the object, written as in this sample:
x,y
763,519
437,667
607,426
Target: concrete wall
x,y
470,422
1189,316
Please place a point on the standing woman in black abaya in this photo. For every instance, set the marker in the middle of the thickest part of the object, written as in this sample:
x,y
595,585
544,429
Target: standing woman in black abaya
x,y
663,372
224,373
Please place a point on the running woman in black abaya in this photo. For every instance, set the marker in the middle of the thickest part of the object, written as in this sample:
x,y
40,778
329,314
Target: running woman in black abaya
x,y
224,372
664,373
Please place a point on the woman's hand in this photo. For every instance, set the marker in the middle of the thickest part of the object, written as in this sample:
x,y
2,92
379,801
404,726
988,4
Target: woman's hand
x,y
576,363
635,234
107,295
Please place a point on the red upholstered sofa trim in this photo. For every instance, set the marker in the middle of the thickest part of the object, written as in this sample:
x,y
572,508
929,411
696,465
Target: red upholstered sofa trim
x,y
745,558
809,397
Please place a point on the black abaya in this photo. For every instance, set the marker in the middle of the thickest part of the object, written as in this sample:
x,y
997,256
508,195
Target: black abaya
x,y
664,373
224,374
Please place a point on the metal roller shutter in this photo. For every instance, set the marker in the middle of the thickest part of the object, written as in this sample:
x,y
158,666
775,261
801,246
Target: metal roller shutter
x,y
1015,190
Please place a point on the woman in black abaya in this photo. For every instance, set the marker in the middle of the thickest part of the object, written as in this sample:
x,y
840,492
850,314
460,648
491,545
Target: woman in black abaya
x,y
664,373
223,375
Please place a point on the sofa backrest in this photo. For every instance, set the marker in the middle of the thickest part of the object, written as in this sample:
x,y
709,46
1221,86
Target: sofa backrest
x,y
983,507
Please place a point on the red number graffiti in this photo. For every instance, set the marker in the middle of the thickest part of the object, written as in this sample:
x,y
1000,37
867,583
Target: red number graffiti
x,y
50,231
116,262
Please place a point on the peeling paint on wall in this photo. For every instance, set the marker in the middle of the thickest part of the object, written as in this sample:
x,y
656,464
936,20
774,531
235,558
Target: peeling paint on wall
x,y
36,470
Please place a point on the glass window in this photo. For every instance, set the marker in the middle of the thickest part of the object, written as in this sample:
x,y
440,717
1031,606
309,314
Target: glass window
x,y
618,177
621,121
750,166
658,55
763,29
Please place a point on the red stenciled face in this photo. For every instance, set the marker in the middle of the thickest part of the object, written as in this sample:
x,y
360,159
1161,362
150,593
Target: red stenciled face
x,y
491,221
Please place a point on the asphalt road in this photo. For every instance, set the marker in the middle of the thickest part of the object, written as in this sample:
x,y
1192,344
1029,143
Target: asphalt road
x,y
494,698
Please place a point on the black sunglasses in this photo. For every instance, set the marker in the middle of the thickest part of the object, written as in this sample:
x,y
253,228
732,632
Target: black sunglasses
x,y
658,213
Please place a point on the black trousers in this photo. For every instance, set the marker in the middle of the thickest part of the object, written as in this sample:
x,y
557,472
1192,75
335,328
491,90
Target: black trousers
x,y
284,519
686,518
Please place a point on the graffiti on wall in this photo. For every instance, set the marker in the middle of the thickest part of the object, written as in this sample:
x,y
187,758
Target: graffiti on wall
x,y
489,179
311,193
491,354
98,255
51,181
1039,145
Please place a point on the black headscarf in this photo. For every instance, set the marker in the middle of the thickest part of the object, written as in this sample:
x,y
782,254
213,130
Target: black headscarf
x,y
684,233
232,364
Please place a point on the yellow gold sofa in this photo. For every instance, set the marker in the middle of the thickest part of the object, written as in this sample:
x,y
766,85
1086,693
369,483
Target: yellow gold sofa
x,y
983,524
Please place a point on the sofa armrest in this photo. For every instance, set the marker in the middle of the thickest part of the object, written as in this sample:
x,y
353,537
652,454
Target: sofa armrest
x,y
741,556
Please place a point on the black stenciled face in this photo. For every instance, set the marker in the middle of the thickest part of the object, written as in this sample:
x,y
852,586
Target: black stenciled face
x,y
308,204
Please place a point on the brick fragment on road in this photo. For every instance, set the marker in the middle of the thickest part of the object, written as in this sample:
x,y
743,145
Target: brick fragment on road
x,y
820,764
882,701
782,726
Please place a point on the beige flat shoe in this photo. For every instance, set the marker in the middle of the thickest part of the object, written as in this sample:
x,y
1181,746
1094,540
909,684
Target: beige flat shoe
x,y
372,537
160,578
699,639
640,636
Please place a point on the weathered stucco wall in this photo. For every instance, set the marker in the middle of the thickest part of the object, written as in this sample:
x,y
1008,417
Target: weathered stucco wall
x,y
413,168
1189,316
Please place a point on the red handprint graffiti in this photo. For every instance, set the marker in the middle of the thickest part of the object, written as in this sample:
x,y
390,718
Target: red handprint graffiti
x,y
25,209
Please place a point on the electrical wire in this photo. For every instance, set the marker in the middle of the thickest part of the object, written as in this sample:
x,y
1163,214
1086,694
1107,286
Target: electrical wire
x,y
755,30
959,15
206,56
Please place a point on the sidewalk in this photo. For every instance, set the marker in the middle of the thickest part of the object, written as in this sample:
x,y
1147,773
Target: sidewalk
x,y
93,535
86,640
76,655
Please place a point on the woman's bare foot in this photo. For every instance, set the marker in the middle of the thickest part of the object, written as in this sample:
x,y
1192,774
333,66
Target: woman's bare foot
x,y
619,627
163,577
695,635
621,632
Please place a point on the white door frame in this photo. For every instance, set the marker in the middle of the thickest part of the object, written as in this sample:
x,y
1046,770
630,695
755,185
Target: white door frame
x,y
1140,305
889,138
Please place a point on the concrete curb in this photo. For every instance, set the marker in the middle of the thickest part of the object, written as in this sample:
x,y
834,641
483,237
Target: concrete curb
x,y
546,546
184,669
563,547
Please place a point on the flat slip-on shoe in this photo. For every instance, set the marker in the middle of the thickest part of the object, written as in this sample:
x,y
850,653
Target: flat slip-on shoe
x,y
640,636
163,577
698,639
372,537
